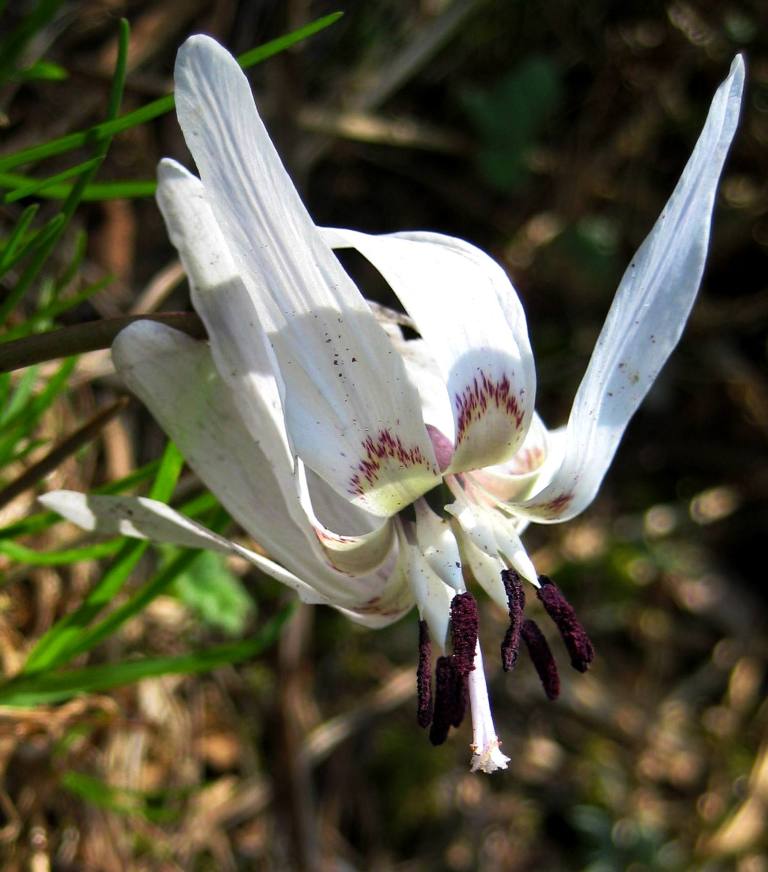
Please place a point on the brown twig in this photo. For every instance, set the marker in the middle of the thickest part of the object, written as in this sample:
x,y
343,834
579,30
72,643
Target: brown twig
x,y
91,336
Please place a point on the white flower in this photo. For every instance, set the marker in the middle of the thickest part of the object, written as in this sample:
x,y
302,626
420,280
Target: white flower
x,y
314,424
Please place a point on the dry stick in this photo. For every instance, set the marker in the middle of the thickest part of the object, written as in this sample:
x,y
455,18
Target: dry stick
x,y
60,452
91,336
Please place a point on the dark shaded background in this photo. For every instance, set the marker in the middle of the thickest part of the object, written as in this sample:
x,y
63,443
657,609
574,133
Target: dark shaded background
x,y
551,135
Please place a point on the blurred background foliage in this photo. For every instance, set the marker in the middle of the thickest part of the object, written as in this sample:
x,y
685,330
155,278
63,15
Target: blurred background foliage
x,y
551,135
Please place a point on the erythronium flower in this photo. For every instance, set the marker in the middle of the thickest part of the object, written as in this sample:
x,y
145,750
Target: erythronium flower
x,y
315,424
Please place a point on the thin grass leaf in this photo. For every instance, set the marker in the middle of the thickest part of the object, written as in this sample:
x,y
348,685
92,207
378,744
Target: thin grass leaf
x,y
73,199
36,185
34,243
94,192
17,236
138,601
51,687
45,316
156,108
21,423
33,557
62,450
19,396
63,635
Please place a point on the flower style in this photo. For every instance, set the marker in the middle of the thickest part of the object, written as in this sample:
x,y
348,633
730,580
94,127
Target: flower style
x,y
316,423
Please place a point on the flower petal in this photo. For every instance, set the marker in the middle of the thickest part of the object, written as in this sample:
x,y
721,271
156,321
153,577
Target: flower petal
x,y
243,356
486,751
438,545
351,412
142,518
177,380
240,348
433,596
646,319
468,312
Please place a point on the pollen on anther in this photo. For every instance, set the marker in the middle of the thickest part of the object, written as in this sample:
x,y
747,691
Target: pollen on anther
x,y
444,702
464,628
424,677
542,658
510,647
574,635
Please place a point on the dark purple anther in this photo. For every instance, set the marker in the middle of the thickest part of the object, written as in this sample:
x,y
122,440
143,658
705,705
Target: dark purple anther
x,y
562,613
464,626
424,677
444,701
510,647
542,658
459,696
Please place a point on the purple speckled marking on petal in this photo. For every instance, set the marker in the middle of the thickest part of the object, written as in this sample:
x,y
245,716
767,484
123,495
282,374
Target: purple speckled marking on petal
x,y
542,658
378,450
510,647
424,677
574,635
476,398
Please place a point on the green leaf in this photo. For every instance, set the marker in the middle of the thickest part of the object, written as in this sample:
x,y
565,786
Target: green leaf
x,y
51,687
107,129
509,118
96,191
120,800
214,593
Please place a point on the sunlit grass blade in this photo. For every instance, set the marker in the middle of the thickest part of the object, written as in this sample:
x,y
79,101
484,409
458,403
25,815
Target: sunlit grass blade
x,y
35,557
50,687
36,185
94,192
54,644
156,108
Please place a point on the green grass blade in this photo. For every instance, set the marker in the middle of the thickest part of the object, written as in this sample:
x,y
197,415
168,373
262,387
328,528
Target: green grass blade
x,y
140,599
94,192
156,108
21,423
63,635
36,185
33,557
73,199
17,235
50,687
